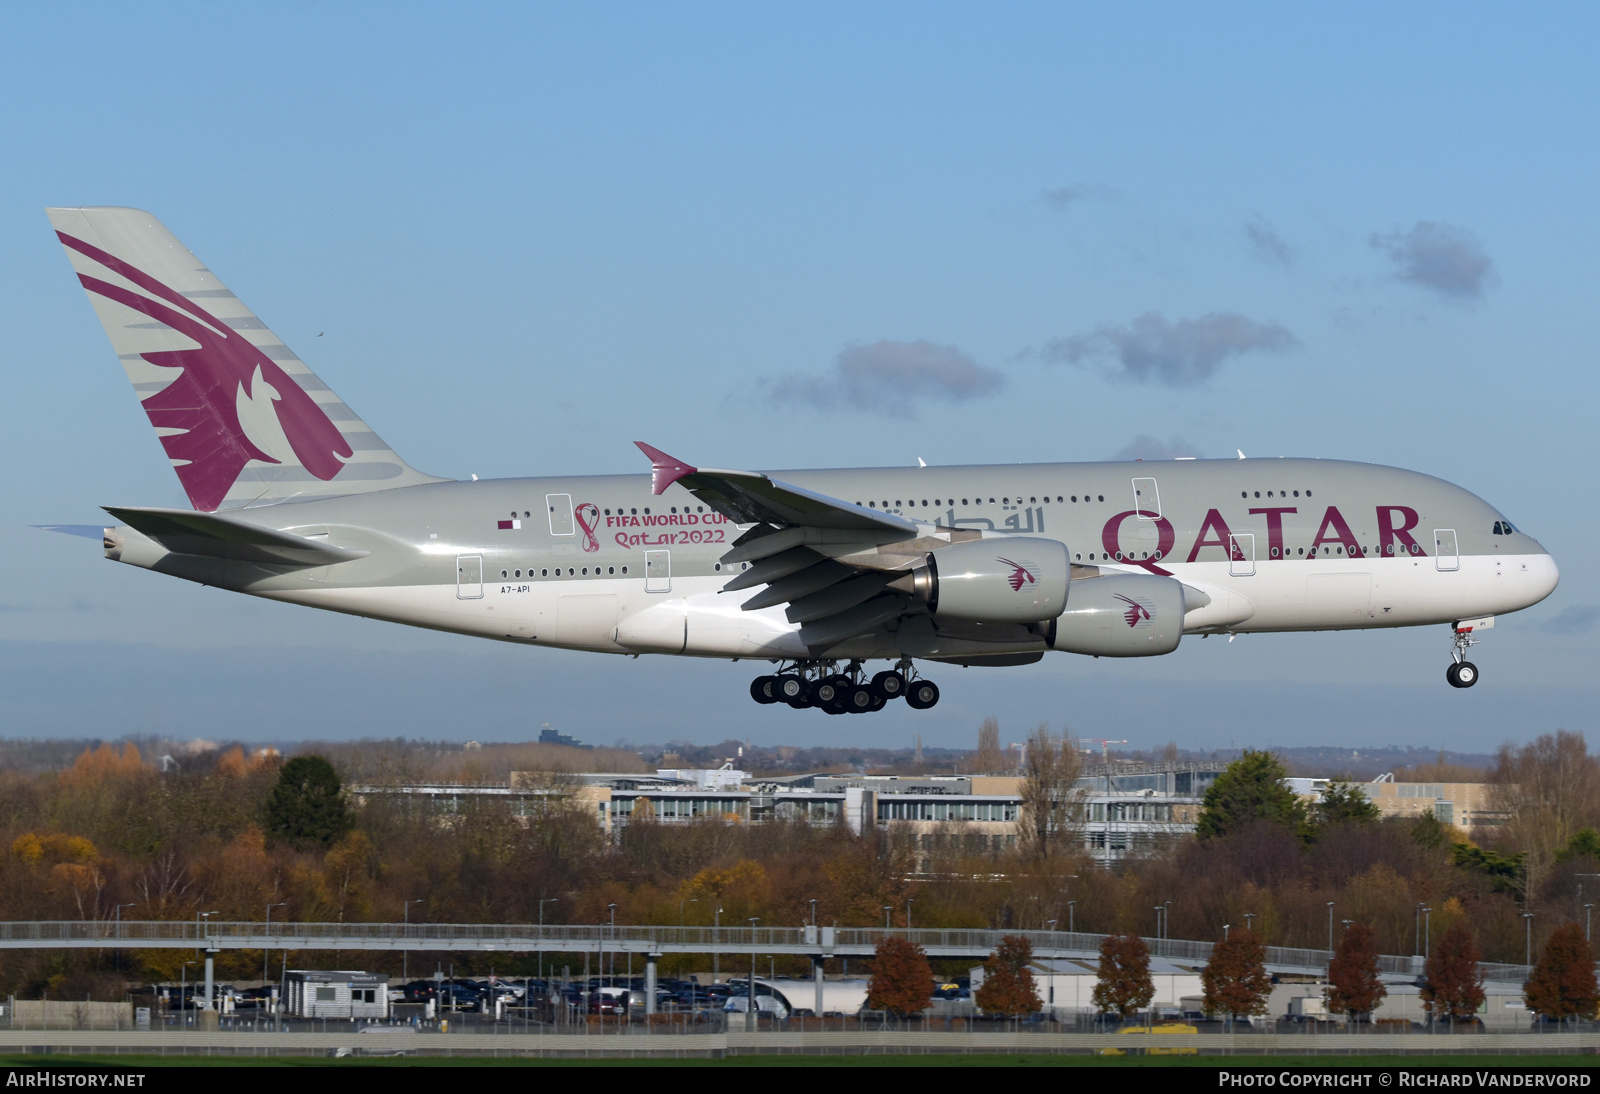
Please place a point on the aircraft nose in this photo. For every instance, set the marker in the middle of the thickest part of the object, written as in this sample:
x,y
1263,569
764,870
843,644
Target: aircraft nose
x,y
1540,575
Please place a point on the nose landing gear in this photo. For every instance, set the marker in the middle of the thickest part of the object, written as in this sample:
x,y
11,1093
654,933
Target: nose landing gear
x,y
1462,673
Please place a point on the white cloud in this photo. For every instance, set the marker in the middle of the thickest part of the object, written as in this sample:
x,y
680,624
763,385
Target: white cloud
x,y
1442,257
1146,447
1152,349
887,377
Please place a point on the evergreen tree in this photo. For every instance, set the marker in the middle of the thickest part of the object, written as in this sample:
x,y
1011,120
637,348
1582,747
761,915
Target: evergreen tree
x,y
1007,988
1346,802
306,808
1585,843
1353,984
1124,984
1454,987
902,979
1250,789
1563,982
1235,980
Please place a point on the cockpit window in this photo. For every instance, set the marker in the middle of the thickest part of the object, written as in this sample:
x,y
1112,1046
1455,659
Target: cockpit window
x,y
1503,528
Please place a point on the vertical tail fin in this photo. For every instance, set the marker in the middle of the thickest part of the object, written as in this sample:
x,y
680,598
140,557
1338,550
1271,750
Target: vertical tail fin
x,y
241,417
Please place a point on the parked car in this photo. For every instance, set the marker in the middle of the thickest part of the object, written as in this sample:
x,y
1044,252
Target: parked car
x,y
609,1001
766,1006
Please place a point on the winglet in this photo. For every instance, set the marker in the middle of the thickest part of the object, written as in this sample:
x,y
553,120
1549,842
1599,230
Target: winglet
x,y
664,469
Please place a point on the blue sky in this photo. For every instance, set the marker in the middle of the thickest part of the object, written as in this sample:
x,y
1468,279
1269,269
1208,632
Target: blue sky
x,y
530,234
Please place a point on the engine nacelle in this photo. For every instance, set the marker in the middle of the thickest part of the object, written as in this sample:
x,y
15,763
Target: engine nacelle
x,y
1006,579
1119,615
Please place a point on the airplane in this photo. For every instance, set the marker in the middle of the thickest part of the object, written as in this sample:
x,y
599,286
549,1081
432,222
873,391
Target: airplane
x,y
816,572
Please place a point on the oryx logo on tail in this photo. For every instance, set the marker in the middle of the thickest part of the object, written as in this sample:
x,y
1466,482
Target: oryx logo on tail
x,y
1136,612
230,403
1020,574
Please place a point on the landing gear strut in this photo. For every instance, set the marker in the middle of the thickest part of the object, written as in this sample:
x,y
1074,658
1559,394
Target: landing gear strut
x,y
1462,673
819,684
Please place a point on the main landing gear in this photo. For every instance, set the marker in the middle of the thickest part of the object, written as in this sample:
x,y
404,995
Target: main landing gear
x,y
819,684
1462,673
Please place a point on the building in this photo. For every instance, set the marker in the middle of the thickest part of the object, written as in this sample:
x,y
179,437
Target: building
x,y
1125,809
1465,805
337,994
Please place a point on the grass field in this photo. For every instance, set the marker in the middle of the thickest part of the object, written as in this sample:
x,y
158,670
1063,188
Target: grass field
x,y
996,1060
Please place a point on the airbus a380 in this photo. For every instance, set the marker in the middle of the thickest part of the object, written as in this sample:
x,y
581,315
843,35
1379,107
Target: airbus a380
x,y
817,572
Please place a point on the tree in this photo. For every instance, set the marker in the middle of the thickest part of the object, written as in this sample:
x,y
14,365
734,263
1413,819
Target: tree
x,y
306,808
1124,983
1353,984
1345,802
1585,843
1563,982
1454,982
1235,980
1550,789
1007,987
1250,789
989,759
1050,798
902,979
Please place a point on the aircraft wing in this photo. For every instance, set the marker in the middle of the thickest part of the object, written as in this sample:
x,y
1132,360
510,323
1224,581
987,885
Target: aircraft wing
x,y
819,555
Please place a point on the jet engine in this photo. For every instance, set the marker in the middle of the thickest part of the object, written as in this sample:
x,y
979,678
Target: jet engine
x,y
998,580
1119,615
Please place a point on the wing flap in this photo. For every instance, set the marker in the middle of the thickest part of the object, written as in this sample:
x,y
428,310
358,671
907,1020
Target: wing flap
x,y
820,634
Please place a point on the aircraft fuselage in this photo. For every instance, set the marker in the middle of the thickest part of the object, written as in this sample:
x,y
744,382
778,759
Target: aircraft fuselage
x,y
1276,545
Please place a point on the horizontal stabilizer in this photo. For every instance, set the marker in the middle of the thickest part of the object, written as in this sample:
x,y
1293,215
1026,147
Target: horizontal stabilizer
x,y
189,532
87,531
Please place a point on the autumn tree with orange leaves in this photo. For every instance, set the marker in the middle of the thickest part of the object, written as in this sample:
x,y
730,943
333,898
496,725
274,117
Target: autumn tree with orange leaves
x,y
1235,980
1353,984
1454,986
902,979
1007,987
1124,983
1563,982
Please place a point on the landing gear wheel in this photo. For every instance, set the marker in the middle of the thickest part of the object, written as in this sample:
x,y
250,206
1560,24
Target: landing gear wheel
x,y
859,699
889,685
922,694
878,703
1466,674
789,688
1450,675
761,689
824,692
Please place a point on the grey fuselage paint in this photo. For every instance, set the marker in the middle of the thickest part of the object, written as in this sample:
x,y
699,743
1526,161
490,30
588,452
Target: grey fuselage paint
x,y
1276,545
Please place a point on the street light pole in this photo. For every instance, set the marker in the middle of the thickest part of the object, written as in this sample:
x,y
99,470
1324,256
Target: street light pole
x,y
908,913
542,902
405,954
613,976
813,912
1527,953
750,1012
716,937
886,909
1330,926
1072,909
266,954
